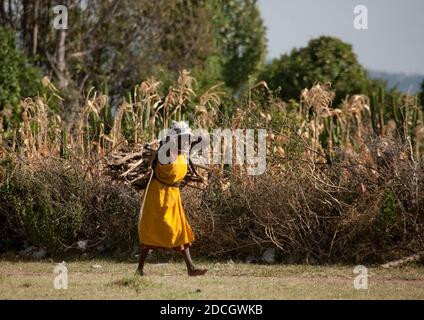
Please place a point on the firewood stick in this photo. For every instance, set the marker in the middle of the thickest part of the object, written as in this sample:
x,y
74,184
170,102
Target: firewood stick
x,y
403,261
132,168
128,157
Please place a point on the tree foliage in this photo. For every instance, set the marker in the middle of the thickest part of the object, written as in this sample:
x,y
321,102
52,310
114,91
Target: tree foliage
x,y
325,59
241,40
18,77
113,45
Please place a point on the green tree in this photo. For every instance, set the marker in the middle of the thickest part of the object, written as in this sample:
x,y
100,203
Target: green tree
x,y
241,40
422,94
18,78
219,40
111,46
325,59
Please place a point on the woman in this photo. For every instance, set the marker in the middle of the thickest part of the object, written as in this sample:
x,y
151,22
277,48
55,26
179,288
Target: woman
x,y
163,224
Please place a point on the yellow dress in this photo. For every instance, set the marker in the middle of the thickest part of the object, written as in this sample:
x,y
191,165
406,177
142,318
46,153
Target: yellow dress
x,y
163,223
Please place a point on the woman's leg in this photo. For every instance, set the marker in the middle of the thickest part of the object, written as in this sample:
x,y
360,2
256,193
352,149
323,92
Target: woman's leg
x,y
191,269
142,257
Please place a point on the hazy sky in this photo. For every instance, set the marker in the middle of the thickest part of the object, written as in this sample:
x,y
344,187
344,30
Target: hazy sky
x,y
394,40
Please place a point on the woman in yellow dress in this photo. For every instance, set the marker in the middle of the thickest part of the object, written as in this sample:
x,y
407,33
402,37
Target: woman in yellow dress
x,y
163,224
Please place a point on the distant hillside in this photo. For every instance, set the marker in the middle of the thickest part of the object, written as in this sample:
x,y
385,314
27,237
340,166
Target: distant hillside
x,y
402,81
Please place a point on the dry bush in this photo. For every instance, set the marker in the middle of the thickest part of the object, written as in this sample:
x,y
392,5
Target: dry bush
x,y
353,210
53,203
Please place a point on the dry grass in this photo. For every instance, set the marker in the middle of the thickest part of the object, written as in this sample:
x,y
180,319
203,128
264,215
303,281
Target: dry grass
x,y
34,280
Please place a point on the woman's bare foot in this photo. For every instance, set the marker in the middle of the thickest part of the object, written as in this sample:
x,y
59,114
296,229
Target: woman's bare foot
x,y
197,272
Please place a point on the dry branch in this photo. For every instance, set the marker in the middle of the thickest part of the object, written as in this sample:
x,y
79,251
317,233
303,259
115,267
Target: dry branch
x,y
398,263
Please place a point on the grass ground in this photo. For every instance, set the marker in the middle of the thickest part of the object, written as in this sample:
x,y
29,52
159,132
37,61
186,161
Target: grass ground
x,y
103,279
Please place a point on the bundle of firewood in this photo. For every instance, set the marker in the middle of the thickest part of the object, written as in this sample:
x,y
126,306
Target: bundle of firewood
x,y
135,166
